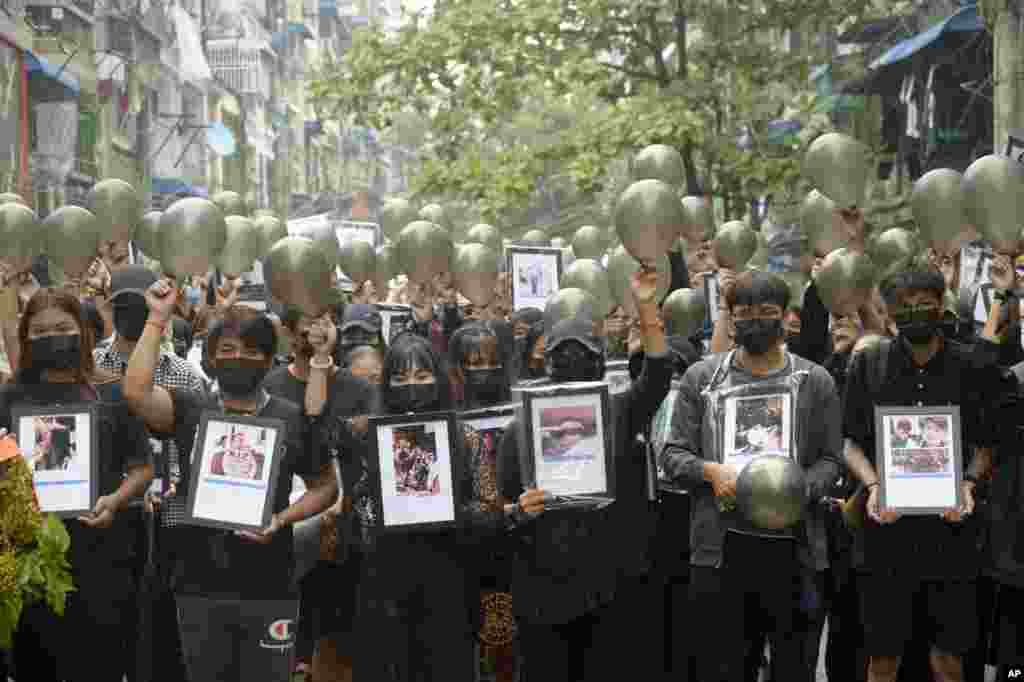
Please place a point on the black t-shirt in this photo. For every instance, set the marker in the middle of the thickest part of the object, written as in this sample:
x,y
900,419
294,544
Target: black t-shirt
x,y
217,562
123,444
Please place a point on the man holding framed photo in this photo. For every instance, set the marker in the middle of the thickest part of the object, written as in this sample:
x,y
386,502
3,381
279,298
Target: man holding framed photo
x,y
223,601
923,565
758,398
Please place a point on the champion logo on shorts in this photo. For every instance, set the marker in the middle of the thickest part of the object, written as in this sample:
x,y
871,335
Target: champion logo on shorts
x,y
280,635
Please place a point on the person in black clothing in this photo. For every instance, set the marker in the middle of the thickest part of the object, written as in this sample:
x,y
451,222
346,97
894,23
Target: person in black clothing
x,y
478,366
929,560
225,607
327,592
579,587
89,643
360,326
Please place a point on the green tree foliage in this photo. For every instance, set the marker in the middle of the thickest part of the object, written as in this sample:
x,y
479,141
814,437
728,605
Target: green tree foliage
x,y
517,99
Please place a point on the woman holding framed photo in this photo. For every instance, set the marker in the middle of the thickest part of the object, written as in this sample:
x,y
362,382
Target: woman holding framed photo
x,y
70,412
416,611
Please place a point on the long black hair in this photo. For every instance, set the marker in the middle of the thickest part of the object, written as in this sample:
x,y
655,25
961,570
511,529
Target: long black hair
x,y
410,351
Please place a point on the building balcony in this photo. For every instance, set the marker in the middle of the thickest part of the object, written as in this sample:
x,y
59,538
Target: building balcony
x,y
246,69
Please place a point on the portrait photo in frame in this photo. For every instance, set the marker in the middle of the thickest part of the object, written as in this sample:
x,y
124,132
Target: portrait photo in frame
x,y
568,440
756,424
918,458
711,298
61,445
394,319
234,472
616,375
417,471
534,272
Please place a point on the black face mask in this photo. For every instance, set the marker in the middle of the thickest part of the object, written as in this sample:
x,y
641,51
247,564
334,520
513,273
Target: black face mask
x,y
837,363
574,362
758,335
61,351
411,398
239,377
918,327
484,386
130,320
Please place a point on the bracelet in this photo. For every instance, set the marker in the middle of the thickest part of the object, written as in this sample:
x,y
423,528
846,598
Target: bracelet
x,y
159,326
324,365
869,486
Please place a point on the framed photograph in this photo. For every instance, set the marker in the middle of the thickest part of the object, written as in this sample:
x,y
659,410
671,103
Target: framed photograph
x,y
61,445
975,282
1015,145
490,423
711,296
918,457
234,472
756,425
616,375
535,272
394,319
415,487
569,440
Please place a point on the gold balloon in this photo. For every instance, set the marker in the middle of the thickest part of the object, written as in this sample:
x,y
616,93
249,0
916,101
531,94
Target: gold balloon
x,y
684,312
358,261
485,234
8,197
298,274
698,220
844,281
117,207
589,276
993,188
839,166
71,239
20,238
648,219
536,238
272,231
659,162
243,244
566,304
475,271
192,236
395,214
734,244
435,213
893,250
818,222
424,250
385,269
147,235
622,267
588,242
937,202
230,203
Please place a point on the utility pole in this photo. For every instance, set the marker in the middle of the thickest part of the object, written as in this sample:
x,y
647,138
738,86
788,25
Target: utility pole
x,y
1007,22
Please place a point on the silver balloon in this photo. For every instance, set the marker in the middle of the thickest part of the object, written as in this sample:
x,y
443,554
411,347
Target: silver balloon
x,y
698,220
818,222
839,166
485,234
395,214
243,244
844,281
272,229
20,238
147,235
192,236
937,202
436,214
324,235
475,271
993,188
566,304
230,203
684,312
622,267
588,242
893,250
386,269
298,274
72,239
648,219
734,244
358,261
659,162
424,250
536,238
771,492
590,276
117,207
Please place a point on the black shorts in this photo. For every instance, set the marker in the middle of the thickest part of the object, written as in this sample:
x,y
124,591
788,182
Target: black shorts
x,y
895,608
328,599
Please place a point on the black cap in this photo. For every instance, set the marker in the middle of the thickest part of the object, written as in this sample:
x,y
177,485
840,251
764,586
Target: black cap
x,y
362,315
574,329
131,279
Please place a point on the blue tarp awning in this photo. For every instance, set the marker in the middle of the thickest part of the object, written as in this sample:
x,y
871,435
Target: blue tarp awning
x,y
280,39
965,20
177,186
37,64
328,8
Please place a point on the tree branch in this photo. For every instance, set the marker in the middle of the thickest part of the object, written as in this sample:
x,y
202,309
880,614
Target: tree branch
x,y
643,75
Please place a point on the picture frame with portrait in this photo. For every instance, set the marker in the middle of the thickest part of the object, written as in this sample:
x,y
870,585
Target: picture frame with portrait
x,y
757,421
415,471
711,298
918,458
616,375
567,433
60,443
534,272
234,471
394,319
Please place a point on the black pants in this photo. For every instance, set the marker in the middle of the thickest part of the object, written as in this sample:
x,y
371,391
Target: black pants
x,y
565,652
232,639
844,651
757,590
